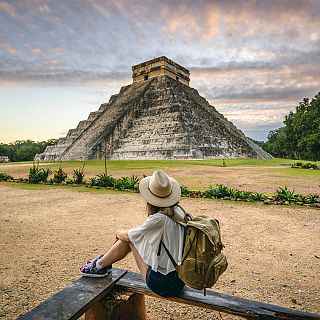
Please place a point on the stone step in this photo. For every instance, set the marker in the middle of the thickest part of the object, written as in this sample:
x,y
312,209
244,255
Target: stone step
x,y
123,89
113,98
93,115
104,106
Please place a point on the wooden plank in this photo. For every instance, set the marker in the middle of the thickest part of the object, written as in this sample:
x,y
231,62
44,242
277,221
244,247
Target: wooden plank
x,y
245,308
74,300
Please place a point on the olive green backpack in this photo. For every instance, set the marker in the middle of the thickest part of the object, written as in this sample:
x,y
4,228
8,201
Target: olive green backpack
x,y
202,260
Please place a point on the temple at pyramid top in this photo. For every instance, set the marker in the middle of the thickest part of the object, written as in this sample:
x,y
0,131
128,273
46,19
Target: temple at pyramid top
x,y
161,66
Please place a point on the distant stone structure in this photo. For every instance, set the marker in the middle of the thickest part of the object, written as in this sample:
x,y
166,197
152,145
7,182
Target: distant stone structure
x,y
4,159
158,116
161,66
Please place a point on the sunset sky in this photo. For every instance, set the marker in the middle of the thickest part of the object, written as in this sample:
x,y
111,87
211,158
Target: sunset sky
x,y
59,60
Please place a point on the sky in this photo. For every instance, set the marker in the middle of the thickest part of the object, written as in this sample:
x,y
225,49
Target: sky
x,y
59,60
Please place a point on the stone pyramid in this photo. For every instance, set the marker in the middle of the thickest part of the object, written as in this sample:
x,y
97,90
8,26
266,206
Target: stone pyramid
x,y
158,116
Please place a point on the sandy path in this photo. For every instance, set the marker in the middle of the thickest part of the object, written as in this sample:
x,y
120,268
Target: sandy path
x,y
45,235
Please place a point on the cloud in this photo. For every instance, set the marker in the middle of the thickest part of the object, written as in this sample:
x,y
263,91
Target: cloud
x,y
9,9
59,75
252,53
256,119
43,8
9,48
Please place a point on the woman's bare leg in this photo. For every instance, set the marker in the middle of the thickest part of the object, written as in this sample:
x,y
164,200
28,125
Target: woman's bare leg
x,y
118,251
143,267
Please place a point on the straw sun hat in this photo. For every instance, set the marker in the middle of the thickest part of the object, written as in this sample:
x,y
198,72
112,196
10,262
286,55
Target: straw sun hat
x,y
160,190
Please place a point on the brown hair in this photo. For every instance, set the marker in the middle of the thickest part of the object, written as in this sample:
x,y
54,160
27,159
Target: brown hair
x,y
151,209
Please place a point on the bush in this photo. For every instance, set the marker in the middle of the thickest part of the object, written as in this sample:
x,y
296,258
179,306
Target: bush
x,y
308,165
5,177
59,176
37,175
246,196
257,196
285,194
93,181
78,175
185,191
217,191
127,183
312,198
235,193
105,180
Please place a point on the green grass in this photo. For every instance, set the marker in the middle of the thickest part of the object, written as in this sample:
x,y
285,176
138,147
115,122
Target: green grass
x,y
97,166
30,186
291,172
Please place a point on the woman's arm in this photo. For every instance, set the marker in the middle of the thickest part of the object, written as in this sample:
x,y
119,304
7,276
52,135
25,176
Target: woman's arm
x,y
122,235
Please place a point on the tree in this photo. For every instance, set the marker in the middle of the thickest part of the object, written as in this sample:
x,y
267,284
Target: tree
x,y
24,150
299,138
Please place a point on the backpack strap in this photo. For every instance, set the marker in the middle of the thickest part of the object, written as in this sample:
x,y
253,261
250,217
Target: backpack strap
x,y
176,216
169,254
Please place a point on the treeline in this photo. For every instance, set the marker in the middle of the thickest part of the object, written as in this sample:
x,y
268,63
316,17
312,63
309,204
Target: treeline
x,y
299,138
24,150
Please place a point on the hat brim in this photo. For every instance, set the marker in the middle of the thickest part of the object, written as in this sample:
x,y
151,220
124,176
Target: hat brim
x,y
171,199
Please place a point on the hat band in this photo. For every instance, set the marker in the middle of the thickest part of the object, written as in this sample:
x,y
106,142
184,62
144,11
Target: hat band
x,y
160,196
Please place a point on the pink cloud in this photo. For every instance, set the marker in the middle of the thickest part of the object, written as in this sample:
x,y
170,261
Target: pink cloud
x,y
9,48
7,8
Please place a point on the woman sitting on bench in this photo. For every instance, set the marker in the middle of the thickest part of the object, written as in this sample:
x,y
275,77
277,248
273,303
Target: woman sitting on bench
x,y
146,242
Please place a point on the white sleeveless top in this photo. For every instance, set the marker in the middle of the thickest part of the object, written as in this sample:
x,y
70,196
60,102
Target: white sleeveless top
x,y
147,237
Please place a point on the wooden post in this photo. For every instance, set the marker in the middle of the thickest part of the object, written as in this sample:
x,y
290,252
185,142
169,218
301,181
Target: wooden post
x,y
97,312
132,309
109,308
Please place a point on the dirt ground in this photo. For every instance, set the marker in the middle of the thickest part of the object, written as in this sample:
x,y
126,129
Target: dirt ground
x,y
257,179
273,251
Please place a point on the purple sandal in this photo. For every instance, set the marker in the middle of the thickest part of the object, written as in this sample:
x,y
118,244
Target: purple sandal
x,y
90,269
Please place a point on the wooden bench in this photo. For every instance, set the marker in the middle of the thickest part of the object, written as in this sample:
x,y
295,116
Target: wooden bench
x,y
77,298
94,298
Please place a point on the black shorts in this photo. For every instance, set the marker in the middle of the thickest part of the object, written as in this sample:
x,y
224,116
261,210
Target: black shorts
x,y
168,285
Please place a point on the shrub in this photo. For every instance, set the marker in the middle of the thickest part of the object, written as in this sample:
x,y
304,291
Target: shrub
x,y
59,176
5,177
185,191
235,193
127,183
257,196
93,181
307,165
217,191
105,180
301,198
245,196
285,194
37,175
312,198
78,175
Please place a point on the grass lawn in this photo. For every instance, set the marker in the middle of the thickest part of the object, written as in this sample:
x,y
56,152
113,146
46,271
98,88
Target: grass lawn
x,y
93,167
246,174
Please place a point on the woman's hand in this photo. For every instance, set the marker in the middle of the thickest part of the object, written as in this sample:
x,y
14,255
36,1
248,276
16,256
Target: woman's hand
x,y
122,235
